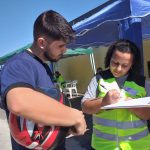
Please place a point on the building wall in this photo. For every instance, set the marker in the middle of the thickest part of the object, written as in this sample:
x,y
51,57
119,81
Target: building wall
x,y
76,68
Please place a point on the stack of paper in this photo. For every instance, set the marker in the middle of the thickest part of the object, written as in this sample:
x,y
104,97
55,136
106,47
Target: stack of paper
x,y
132,103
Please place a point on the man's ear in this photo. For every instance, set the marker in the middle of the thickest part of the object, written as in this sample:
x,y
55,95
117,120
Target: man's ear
x,y
41,42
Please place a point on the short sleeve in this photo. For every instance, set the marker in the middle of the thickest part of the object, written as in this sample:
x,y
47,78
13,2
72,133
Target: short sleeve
x,y
17,73
147,87
91,90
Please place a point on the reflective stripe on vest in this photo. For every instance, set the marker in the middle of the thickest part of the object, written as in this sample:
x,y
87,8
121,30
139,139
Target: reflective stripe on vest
x,y
112,137
120,125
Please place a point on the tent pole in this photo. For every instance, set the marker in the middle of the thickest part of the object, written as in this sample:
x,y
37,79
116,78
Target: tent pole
x,y
94,68
91,63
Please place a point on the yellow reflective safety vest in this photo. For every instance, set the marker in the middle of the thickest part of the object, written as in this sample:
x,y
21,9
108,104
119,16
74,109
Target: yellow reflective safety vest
x,y
119,129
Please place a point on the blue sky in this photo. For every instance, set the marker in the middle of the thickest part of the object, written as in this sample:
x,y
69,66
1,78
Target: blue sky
x,y
17,18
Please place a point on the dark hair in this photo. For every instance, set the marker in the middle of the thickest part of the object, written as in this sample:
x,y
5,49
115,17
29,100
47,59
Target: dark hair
x,y
126,46
57,72
98,70
53,25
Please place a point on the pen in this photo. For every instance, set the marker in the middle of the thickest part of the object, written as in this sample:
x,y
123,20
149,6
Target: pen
x,y
103,87
121,92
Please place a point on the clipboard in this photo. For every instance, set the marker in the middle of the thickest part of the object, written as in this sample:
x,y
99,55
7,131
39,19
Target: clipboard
x,y
132,103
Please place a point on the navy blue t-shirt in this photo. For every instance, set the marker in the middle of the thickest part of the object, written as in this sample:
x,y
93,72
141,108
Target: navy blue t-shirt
x,y
23,70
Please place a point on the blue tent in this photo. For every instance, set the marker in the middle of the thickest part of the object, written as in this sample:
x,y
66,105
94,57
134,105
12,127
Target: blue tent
x,y
113,20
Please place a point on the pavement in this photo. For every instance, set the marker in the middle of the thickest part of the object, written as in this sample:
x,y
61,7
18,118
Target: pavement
x,y
5,143
73,143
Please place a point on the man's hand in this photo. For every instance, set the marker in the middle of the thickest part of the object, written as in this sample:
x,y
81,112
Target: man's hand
x,y
80,127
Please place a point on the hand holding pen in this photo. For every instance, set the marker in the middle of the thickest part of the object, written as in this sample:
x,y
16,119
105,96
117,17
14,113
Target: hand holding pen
x,y
112,96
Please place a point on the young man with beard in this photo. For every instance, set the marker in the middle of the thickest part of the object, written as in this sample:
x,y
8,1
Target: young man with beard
x,y
27,72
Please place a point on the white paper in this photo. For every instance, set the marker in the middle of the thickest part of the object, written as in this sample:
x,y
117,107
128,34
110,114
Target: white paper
x,y
132,103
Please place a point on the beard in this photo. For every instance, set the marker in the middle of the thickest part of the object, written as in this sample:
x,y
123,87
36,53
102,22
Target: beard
x,y
49,58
